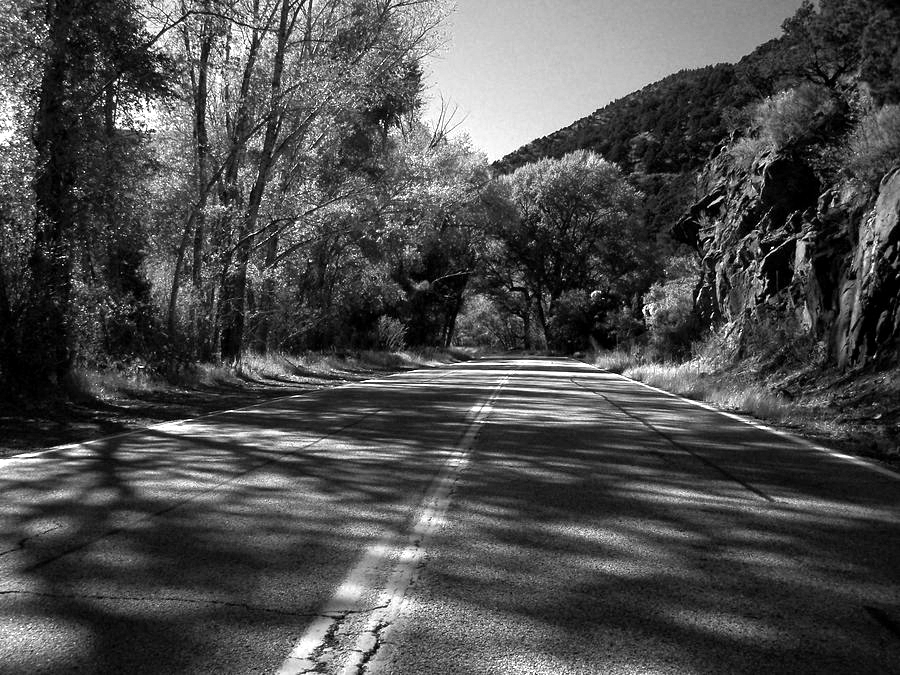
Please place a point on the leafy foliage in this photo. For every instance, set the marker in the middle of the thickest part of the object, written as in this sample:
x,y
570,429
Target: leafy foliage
x,y
671,318
873,148
574,229
184,179
798,116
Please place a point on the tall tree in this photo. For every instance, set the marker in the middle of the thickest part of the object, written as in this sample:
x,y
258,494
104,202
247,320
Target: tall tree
x,y
319,78
95,60
578,229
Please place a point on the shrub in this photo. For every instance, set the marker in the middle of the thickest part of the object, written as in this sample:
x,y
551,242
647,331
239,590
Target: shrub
x,y
390,334
800,116
796,116
873,148
777,338
744,151
672,322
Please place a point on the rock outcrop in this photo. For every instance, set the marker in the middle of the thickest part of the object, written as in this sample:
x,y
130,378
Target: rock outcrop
x,y
868,324
773,244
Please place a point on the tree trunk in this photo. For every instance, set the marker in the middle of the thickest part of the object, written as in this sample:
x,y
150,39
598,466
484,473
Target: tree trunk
x,y
201,138
235,287
194,227
450,323
528,338
267,298
179,265
542,317
47,355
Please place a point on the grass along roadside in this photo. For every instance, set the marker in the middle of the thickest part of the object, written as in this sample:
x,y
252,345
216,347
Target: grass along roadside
x,y
275,369
102,403
857,412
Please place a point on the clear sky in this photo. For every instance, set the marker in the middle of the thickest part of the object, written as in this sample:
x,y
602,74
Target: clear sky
x,y
520,69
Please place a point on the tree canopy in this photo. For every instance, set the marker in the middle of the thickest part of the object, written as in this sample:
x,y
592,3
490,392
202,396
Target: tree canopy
x,y
571,240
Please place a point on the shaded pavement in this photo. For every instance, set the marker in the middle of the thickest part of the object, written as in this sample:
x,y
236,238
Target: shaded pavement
x,y
597,526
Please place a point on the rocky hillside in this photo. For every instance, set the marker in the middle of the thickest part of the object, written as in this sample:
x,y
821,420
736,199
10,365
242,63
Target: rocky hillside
x,y
669,126
781,173
820,261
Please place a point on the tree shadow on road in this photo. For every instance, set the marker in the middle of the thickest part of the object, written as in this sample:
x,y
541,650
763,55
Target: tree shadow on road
x,y
573,524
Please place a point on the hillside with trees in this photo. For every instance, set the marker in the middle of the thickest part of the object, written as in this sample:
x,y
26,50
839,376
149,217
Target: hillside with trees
x,y
666,127
805,117
776,222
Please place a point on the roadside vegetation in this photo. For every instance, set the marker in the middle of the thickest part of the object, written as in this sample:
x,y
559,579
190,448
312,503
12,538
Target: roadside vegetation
x,y
856,411
93,403
271,369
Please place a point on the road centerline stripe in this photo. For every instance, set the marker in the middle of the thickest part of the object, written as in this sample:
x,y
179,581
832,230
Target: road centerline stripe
x,y
347,599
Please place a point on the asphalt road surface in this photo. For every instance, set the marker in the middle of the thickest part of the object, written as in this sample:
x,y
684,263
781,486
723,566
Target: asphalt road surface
x,y
502,516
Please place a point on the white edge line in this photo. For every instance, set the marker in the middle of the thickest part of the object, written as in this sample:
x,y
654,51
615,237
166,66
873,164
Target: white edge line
x,y
133,432
798,440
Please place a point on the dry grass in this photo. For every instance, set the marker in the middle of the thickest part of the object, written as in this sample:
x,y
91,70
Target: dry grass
x,y
617,361
697,380
269,369
855,411
107,385
683,378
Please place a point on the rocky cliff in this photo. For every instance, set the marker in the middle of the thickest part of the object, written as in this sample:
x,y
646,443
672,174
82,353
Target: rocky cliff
x,y
777,246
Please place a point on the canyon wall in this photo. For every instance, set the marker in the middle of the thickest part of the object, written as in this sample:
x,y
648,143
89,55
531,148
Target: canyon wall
x,y
776,243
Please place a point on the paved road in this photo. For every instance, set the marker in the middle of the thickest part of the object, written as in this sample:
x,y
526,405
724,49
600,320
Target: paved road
x,y
502,516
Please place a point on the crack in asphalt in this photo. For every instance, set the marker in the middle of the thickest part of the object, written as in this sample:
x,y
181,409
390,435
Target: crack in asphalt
x,y
377,633
190,601
330,640
22,543
680,446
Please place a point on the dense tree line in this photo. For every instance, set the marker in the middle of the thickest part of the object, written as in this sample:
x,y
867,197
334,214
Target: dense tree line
x,y
571,248
190,179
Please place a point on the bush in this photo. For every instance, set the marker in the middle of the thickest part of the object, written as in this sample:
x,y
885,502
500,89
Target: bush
x,y
672,322
390,334
776,337
744,151
796,116
873,148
